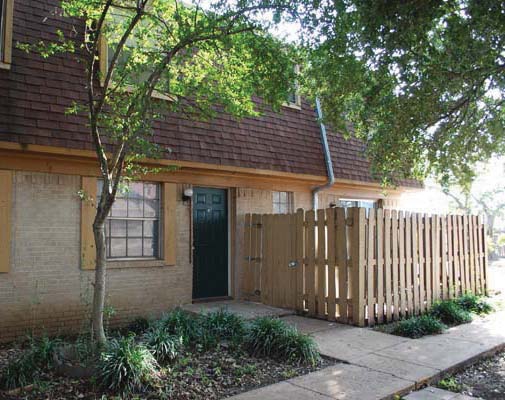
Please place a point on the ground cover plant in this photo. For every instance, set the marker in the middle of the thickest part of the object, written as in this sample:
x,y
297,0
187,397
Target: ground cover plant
x,y
442,314
178,356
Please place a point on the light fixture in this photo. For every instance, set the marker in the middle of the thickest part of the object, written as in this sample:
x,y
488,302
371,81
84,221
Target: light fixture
x,y
187,194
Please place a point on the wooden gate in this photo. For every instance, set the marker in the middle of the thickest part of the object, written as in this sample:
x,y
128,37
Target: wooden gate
x,y
362,266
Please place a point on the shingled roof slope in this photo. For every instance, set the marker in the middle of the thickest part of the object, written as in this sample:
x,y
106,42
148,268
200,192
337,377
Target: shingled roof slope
x,y
36,93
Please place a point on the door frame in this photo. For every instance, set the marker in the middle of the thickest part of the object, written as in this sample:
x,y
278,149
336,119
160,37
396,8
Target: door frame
x,y
230,242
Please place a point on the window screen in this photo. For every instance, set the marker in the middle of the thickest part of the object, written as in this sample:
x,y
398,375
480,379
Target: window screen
x,y
133,224
282,202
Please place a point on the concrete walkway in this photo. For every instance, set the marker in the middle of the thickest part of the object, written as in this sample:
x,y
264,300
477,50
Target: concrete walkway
x,y
377,365
245,309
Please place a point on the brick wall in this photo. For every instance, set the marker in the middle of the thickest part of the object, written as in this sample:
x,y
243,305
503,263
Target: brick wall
x,y
46,289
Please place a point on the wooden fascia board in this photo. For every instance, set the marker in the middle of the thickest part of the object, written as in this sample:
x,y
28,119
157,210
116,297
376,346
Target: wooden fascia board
x,y
57,159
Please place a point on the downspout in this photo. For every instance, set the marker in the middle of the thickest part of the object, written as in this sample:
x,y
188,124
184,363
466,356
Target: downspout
x,y
327,157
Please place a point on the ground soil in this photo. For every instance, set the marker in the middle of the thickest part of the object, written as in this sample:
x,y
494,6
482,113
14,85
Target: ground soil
x,y
209,375
485,380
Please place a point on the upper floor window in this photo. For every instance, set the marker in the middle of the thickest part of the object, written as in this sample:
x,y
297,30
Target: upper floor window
x,y
282,202
6,10
133,225
294,99
356,203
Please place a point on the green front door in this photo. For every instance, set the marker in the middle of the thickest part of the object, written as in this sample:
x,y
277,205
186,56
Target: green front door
x,y
210,227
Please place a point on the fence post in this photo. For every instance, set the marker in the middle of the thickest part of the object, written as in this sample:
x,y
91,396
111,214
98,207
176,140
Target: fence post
x,y
300,234
357,244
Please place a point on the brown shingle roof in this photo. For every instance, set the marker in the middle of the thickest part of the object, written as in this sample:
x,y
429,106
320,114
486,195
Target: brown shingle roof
x,y
36,92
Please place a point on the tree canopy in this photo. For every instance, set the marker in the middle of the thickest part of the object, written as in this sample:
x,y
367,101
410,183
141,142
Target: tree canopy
x,y
421,82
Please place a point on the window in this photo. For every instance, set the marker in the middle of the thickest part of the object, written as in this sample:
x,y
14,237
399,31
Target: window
x,y
357,203
282,202
294,99
133,225
6,10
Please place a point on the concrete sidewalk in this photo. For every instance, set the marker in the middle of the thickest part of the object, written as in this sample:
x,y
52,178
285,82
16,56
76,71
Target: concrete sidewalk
x,y
377,365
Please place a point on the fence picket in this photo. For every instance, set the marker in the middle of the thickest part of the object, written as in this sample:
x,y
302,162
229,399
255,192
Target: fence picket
x,y
428,274
358,264
408,261
310,269
422,262
396,265
379,269
331,231
341,261
370,265
321,264
300,267
387,264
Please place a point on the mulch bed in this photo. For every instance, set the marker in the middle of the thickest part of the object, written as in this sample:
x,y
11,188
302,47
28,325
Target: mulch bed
x,y
211,375
485,379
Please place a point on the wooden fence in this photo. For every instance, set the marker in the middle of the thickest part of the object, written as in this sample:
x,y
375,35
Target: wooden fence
x,y
362,266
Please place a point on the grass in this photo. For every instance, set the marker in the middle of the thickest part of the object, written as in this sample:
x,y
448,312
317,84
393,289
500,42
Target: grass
x,y
37,357
126,366
272,337
442,313
450,384
474,304
416,327
450,312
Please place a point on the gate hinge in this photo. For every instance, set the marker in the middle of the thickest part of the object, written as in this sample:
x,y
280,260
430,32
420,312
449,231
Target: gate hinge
x,y
257,225
253,259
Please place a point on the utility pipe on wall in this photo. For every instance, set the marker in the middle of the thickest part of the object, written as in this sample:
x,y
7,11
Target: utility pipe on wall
x,y
327,157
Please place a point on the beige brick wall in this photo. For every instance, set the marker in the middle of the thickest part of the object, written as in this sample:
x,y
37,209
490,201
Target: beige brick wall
x,y
46,289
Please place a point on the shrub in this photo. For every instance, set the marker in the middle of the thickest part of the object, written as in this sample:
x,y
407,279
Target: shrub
x,y
181,324
271,337
38,356
126,366
164,346
138,326
416,327
450,384
475,304
18,373
299,348
262,338
450,313
224,326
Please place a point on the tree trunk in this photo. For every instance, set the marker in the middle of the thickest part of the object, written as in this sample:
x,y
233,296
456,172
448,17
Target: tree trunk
x,y
99,290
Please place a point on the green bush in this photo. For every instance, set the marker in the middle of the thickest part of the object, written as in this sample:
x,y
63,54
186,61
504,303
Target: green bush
x,y
126,366
262,338
475,304
224,326
416,327
138,326
181,324
271,337
299,348
37,357
450,384
19,372
164,346
450,313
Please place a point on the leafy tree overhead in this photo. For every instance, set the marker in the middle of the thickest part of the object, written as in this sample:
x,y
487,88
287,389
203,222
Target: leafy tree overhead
x,y
421,82
202,61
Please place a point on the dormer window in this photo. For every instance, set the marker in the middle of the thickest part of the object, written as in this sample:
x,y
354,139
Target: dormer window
x,y
294,100
6,10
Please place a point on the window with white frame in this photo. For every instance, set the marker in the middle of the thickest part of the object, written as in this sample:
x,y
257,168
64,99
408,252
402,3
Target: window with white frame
x,y
356,203
133,225
294,99
282,202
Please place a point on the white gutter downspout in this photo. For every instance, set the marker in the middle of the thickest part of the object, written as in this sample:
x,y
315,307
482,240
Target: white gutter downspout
x,y
327,157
